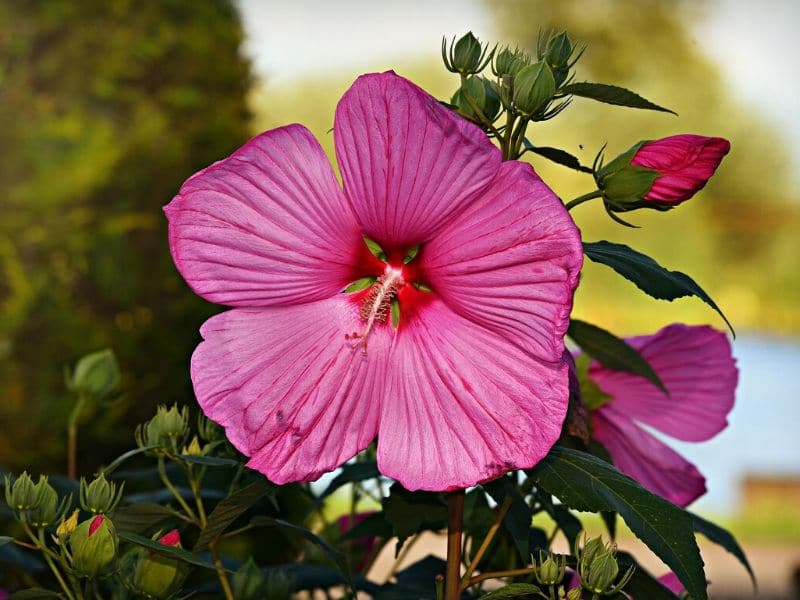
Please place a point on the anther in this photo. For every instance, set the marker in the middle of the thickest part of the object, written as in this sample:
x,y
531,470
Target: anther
x,y
377,305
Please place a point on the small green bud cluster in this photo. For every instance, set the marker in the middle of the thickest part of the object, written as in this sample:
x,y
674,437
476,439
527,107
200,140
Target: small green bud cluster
x,y
96,375
34,503
166,431
598,568
466,56
100,496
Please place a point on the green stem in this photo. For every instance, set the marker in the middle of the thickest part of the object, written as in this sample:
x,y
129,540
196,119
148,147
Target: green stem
x,y
516,138
223,577
505,145
47,553
499,574
581,199
455,524
72,436
501,514
168,484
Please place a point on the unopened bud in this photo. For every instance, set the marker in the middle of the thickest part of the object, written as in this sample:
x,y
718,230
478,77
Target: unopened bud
x,y
67,526
208,430
21,493
96,374
602,573
167,429
508,62
534,88
93,545
193,449
574,594
477,99
46,510
467,54
558,51
550,570
157,575
100,496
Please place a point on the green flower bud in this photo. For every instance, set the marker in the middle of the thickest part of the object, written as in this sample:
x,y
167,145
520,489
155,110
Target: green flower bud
x,y
101,496
467,54
508,62
96,374
67,526
157,575
47,509
208,430
591,549
194,448
479,93
550,570
168,429
574,594
22,494
558,51
534,88
602,572
93,545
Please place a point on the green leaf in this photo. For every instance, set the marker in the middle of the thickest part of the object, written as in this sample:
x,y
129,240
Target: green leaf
x,y
612,352
374,525
210,461
231,508
4,539
411,512
724,538
332,553
642,583
123,457
140,517
562,157
34,594
584,482
351,473
518,518
513,590
647,274
170,551
611,94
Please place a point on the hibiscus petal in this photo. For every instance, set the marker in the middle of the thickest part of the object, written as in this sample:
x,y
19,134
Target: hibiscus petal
x,y
463,405
696,366
287,387
407,162
510,262
266,226
650,462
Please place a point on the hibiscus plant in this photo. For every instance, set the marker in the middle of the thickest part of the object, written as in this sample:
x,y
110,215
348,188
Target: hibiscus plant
x,y
401,335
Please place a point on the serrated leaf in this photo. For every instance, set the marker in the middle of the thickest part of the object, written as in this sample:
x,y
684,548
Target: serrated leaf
x,y
210,461
612,352
612,94
512,590
332,553
351,473
584,482
556,155
518,518
724,538
170,551
411,512
141,517
231,508
648,275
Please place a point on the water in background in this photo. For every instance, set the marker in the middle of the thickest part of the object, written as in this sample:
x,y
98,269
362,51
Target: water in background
x,y
763,436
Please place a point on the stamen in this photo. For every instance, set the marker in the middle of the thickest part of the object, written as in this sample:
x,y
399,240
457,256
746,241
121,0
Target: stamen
x,y
377,305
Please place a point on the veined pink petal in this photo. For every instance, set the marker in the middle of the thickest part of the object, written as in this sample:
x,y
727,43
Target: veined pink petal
x,y
463,404
653,464
686,163
696,366
407,162
510,262
288,389
266,226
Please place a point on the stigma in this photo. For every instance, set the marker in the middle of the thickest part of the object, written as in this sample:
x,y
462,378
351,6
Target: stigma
x,y
376,305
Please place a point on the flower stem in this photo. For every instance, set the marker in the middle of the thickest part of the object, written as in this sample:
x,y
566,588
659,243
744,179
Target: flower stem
x,y
168,484
486,542
38,542
72,436
223,577
455,518
498,574
581,199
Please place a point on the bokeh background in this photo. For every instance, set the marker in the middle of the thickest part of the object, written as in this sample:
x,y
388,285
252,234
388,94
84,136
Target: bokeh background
x,y
107,106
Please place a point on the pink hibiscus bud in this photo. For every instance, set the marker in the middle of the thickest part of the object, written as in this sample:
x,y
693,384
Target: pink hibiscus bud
x,y
661,173
173,538
94,546
157,575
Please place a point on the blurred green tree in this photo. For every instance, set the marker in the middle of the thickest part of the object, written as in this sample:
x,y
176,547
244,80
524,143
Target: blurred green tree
x,y
106,106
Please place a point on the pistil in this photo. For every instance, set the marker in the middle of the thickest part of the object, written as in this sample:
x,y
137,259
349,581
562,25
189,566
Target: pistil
x,y
377,305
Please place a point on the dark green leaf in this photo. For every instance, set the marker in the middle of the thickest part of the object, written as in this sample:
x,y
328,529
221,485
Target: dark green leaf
x,y
611,94
518,518
4,539
724,538
584,482
170,551
611,351
647,274
231,508
123,457
351,473
411,512
139,518
332,553
34,594
562,157
643,584
512,590
374,525
210,461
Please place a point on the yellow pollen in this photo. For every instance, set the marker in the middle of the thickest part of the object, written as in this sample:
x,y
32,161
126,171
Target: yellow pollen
x,y
377,305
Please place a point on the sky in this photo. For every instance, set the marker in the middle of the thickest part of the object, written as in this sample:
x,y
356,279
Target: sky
x,y
756,42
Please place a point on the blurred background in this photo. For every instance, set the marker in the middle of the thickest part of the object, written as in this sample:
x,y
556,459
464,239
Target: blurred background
x,y
107,106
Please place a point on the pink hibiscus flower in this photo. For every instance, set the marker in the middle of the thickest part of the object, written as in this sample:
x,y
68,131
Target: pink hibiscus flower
x,y
469,384
696,366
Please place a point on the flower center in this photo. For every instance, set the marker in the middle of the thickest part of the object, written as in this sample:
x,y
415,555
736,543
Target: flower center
x,y
377,305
